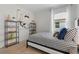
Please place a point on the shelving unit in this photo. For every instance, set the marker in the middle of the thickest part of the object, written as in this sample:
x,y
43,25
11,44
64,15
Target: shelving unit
x,y
32,28
11,32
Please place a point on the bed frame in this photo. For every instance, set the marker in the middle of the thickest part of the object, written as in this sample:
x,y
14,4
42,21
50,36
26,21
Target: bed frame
x,y
44,48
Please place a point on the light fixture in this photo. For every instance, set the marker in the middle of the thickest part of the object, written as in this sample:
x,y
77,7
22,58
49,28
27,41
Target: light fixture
x,y
26,16
22,23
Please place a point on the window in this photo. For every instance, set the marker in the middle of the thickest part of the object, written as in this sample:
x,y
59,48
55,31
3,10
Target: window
x,y
57,25
60,20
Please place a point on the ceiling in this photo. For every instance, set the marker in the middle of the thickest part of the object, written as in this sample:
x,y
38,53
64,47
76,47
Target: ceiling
x,y
32,7
39,7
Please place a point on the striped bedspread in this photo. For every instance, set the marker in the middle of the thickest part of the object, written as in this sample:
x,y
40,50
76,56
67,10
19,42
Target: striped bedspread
x,y
48,40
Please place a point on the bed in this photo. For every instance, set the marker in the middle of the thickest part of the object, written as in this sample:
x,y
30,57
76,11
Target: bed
x,y
46,42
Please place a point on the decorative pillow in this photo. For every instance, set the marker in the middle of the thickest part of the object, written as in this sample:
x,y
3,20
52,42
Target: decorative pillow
x,y
70,35
62,33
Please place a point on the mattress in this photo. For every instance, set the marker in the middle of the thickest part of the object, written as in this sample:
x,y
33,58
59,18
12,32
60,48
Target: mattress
x,y
47,39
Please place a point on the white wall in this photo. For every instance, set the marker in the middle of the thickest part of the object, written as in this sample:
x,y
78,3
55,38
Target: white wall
x,y
77,11
1,31
71,16
11,10
43,20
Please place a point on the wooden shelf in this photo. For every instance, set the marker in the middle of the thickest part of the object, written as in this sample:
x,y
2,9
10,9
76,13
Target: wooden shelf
x,y
11,21
11,32
11,26
12,38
